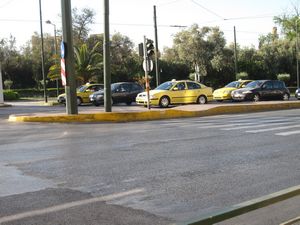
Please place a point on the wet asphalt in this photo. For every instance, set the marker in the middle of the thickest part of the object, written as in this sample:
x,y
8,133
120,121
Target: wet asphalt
x,y
155,172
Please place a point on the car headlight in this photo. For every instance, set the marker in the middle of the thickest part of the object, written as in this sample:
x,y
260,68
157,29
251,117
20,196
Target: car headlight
x,y
297,91
226,92
247,92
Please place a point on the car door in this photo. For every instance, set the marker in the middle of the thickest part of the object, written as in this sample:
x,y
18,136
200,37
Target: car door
x,y
278,89
135,89
193,91
118,92
178,93
267,91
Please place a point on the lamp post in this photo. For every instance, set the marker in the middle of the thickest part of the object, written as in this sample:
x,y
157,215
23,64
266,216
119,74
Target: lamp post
x,y
55,51
43,54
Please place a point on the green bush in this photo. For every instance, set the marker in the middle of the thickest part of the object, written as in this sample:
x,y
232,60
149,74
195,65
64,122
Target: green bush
x,y
30,92
10,95
242,76
285,77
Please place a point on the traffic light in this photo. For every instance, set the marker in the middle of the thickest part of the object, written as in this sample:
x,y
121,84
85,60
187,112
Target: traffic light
x,y
149,48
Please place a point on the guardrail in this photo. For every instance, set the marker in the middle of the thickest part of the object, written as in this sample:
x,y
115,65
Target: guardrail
x,y
246,207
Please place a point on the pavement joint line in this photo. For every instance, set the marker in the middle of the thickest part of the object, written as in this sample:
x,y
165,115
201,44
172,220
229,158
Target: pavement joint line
x,y
154,115
68,205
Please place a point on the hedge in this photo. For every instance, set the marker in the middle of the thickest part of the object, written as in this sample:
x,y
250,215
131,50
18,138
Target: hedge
x,y
10,95
30,92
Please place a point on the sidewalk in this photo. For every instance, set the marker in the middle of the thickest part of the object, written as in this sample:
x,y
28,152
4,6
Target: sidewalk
x,y
139,113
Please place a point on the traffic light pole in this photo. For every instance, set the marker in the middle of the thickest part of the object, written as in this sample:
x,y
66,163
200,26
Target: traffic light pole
x,y
70,88
146,58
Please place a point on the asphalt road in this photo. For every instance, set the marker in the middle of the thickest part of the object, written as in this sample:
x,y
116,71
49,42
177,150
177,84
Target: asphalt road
x,y
155,172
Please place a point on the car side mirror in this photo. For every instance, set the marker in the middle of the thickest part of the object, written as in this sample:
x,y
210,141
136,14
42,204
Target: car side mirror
x,y
175,89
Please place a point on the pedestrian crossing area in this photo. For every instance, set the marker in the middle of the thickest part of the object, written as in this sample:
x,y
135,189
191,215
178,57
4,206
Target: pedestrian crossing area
x,y
276,125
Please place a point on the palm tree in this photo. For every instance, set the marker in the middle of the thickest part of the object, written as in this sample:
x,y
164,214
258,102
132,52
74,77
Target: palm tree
x,y
87,64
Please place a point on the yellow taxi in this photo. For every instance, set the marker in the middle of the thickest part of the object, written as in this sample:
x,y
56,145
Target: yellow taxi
x,y
225,92
83,93
176,92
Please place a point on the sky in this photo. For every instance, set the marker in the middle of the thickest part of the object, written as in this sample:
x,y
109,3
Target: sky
x,y
134,18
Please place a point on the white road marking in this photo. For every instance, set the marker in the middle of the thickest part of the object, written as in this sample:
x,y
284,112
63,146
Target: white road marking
x,y
216,126
288,133
68,205
271,129
255,126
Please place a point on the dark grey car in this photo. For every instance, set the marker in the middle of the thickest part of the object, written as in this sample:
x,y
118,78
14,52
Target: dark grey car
x,y
122,92
262,90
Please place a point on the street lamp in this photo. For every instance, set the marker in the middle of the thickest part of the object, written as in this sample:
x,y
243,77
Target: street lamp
x,y
55,51
42,52
297,50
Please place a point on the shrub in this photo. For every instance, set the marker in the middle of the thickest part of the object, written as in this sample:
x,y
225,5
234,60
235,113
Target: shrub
x,y
285,77
242,76
8,84
10,95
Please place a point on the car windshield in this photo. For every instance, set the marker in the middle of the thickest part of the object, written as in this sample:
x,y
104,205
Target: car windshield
x,y
165,86
114,86
234,84
254,84
82,88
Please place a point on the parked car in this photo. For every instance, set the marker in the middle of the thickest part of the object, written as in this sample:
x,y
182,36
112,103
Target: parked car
x,y
176,92
262,89
122,92
83,92
225,92
297,94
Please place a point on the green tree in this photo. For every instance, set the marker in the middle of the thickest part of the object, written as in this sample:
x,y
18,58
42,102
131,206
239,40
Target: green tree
x,y
81,21
125,62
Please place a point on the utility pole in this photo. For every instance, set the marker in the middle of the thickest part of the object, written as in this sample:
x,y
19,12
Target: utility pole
x,y
42,54
1,87
106,59
68,55
297,51
156,49
235,54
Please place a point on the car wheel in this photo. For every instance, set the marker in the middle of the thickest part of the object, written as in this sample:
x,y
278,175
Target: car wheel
x,y
286,97
96,103
79,101
164,102
202,99
256,98
128,103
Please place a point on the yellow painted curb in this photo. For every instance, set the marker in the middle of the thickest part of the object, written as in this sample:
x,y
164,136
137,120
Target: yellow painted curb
x,y
152,115
4,105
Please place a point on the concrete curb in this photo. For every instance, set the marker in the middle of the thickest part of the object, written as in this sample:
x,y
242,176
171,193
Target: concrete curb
x,y
152,115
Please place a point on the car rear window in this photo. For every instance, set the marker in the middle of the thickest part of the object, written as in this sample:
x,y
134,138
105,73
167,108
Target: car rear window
x,y
192,85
